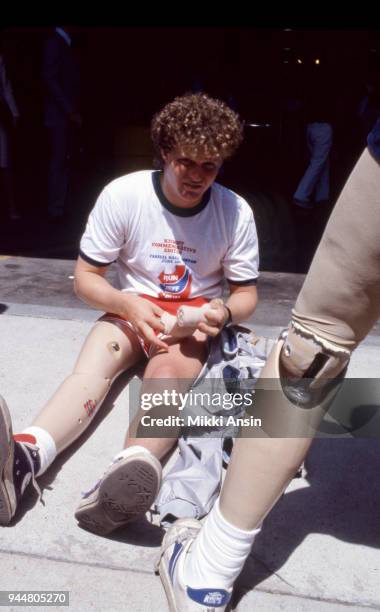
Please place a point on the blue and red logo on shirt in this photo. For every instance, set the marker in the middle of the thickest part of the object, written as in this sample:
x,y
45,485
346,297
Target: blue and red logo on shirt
x,y
176,284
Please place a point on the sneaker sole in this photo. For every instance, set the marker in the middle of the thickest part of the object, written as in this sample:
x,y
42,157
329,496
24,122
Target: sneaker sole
x,y
166,583
7,491
124,495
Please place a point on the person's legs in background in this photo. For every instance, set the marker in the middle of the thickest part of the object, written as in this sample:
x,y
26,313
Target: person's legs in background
x,y
58,170
319,137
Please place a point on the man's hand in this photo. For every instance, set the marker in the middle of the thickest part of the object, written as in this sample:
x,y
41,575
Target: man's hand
x,y
91,287
145,316
216,318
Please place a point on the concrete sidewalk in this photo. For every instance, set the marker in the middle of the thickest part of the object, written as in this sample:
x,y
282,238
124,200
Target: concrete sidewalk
x,y
318,550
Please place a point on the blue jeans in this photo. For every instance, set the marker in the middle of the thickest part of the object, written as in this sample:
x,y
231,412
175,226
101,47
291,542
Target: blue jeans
x,y
316,179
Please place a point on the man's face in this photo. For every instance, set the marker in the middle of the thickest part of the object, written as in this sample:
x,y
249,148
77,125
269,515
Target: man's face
x,y
186,178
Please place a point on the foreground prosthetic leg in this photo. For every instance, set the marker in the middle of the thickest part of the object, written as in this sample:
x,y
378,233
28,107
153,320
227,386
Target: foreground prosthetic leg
x,y
338,305
298,383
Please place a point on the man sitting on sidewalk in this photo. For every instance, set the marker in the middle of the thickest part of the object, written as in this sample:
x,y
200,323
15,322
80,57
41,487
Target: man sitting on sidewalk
x,y
175,235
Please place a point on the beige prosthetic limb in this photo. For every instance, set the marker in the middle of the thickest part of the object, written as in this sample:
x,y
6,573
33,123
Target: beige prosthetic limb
x,y
337,306
341,295
106,353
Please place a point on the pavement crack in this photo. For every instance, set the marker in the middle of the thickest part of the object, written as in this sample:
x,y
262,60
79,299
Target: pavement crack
x,y
272,572
325,600
117,568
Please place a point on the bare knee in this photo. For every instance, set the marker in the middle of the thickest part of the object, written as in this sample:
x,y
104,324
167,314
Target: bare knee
x,y
164,371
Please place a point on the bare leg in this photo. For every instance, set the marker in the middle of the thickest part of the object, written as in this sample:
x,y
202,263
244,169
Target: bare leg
x,y
176,369
131,483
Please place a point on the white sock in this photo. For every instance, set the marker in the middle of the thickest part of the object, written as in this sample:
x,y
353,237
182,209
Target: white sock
x,y
132,450
218,554
46,446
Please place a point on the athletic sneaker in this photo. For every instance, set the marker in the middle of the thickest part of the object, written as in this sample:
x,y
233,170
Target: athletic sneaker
x,y
175,547
19,462
125,492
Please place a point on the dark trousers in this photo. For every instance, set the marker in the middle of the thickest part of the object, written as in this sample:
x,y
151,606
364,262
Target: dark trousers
x,y
58,168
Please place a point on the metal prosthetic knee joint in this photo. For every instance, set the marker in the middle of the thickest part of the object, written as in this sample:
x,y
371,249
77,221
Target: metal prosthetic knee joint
x,y
310,367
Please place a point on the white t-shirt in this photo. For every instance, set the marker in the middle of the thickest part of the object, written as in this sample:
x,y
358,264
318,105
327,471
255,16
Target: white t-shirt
x,y
169,252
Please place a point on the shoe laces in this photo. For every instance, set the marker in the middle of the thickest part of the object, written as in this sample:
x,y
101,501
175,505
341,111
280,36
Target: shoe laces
x,y
27,446
186,534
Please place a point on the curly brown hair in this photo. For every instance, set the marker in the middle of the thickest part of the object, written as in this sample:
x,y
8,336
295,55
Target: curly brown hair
x,y
198,125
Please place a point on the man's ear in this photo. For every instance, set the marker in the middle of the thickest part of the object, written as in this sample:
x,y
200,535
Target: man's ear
x,y
164,156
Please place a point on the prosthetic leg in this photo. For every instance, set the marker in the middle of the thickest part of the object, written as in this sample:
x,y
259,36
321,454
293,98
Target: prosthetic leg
x,y
107,352
338,305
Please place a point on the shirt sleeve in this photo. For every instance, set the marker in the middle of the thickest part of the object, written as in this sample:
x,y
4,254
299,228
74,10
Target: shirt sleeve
x,y
104,235
241,262
373,140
